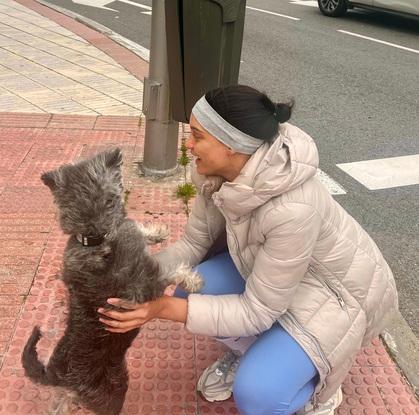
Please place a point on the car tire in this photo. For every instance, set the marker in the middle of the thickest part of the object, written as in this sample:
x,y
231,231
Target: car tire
x,y
333,8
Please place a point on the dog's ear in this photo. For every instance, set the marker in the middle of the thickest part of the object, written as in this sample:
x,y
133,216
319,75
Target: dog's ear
x,y
113,158
50,179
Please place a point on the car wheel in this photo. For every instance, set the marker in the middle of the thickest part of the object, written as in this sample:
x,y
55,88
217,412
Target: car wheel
x,y
333,8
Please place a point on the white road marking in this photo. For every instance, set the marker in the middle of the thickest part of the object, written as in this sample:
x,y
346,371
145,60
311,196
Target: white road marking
x,y
275,14
100,4
133,3
332,186
379,41
310,3
385,173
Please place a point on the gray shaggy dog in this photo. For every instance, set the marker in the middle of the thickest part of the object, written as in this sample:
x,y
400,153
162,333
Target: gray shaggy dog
x,y
105,256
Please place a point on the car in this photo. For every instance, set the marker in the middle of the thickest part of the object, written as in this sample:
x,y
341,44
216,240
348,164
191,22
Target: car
x,y
336,8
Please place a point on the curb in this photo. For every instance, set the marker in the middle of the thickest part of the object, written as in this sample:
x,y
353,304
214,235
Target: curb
x,y
139,50
402,344
403,347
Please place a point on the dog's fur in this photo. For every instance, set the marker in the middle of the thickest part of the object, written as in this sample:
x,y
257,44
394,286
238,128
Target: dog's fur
x,y
89,361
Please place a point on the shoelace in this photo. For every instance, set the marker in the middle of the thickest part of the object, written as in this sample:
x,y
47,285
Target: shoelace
x,y
226,362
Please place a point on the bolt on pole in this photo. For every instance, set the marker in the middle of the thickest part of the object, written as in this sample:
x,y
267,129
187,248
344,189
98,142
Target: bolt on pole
x,y
161,133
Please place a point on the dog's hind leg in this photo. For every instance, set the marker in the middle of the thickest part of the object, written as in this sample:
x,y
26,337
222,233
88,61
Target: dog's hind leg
x,y
62,403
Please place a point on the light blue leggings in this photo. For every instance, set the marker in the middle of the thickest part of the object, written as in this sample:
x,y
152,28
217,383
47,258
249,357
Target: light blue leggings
x,y
275,375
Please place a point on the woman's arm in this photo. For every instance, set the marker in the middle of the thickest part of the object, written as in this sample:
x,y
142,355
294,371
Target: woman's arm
x,y
291,231
198,237
168,308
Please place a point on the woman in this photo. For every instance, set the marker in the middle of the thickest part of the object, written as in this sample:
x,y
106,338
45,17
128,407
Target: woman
x,y
302,286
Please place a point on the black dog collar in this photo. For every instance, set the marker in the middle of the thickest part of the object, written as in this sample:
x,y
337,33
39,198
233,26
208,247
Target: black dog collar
x,y
90,240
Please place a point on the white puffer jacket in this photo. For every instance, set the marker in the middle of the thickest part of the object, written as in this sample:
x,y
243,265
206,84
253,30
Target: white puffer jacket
x,y
307,263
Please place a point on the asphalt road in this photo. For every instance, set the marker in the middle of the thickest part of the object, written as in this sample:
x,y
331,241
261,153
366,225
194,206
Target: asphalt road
x,y
358,98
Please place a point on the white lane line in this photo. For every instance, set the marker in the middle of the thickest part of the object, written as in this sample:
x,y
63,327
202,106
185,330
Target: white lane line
x,y
133,3
384,173
100,4
332,186
309,3
275,14
379,41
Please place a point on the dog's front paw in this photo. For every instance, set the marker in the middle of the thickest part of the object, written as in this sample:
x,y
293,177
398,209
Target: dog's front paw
x,y
193,283
189,280
154,232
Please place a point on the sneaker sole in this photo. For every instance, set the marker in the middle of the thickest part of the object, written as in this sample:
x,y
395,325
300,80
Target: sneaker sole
x,y
222,396
209,399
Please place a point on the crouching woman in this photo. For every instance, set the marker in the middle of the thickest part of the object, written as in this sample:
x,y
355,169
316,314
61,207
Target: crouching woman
x,y
300,286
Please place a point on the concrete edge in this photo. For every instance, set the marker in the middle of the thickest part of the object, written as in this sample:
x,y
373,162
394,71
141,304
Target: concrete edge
x,y
139,50
403,346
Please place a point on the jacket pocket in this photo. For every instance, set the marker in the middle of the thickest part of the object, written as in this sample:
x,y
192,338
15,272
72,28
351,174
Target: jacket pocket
x,y
332,290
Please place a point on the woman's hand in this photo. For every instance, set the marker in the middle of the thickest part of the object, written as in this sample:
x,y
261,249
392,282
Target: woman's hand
x,y
169,308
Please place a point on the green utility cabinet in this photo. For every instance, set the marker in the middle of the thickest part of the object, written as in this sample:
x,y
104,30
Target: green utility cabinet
x,y
204,42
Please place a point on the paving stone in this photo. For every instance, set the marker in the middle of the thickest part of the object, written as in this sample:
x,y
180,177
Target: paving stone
x,y
117,123
22,120
30,45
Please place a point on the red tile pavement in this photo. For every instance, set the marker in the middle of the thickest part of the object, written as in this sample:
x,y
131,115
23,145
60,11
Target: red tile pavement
x,y
61,121
112,122
79,122
13,119
165,360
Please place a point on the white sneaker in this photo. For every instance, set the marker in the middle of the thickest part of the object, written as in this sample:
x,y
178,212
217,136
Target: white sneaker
x,y
327,408
216,382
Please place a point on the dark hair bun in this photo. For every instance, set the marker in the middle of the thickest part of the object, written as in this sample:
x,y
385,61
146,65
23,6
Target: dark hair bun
x,y
267,103
280,111
283,112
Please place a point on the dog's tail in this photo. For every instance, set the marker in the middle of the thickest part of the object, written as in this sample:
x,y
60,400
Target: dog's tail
x,y
34,369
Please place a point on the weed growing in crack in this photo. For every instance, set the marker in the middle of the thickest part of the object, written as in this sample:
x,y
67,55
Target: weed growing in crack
x,y
185,191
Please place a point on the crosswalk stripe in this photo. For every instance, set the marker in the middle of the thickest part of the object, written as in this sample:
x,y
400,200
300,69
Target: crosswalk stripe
x,y
273,13
384,173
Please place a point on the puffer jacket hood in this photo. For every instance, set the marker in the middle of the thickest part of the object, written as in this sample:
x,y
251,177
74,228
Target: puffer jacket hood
x,y
271,171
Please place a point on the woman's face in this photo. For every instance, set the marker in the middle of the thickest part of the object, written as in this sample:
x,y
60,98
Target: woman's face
x,y
213,158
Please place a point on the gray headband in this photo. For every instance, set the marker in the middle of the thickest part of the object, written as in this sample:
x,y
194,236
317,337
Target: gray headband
x,y
223,131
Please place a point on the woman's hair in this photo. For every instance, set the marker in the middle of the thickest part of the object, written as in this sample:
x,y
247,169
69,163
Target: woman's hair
x,y
249,110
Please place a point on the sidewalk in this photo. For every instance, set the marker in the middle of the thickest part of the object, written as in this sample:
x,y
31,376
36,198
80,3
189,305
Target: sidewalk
x,y
67,92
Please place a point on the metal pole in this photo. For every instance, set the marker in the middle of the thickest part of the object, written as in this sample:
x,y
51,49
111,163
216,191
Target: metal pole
x,y
161,133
